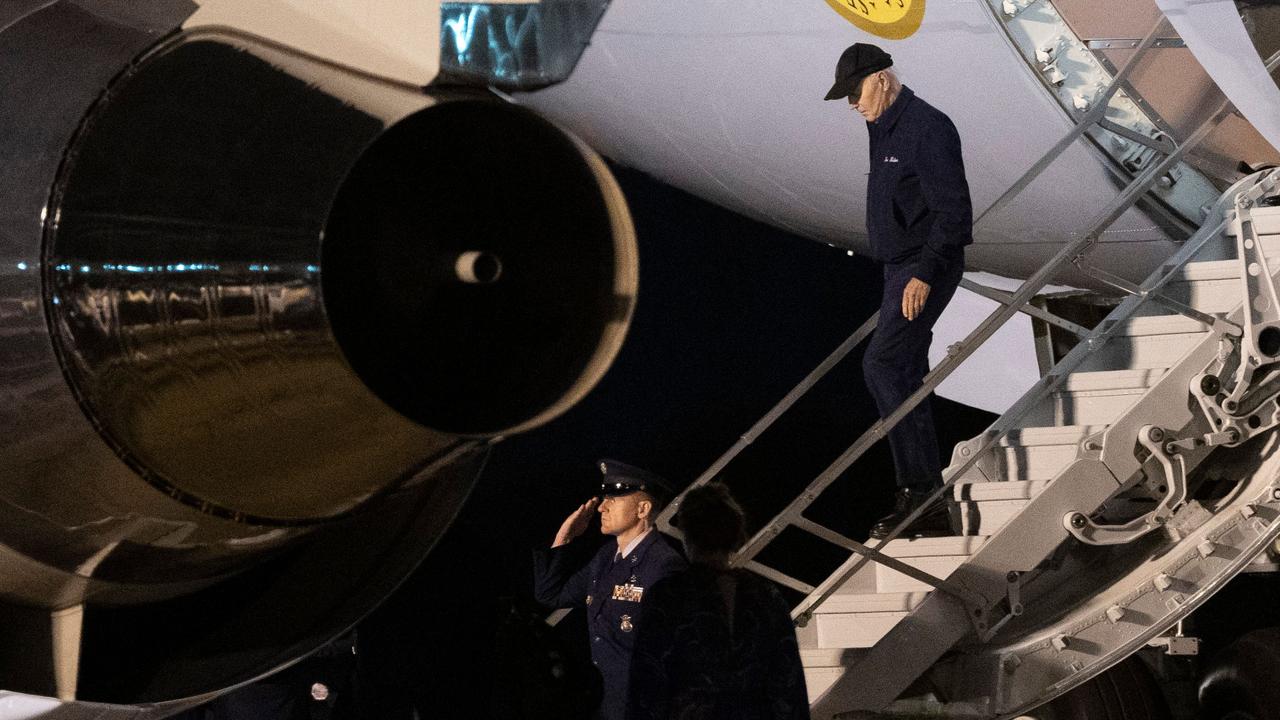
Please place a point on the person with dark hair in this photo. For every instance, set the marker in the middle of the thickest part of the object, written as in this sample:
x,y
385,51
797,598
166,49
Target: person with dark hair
x,y
717,642
613,586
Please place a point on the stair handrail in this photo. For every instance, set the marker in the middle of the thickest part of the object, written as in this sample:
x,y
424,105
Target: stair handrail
x,y
781,407
1075,251
1008,421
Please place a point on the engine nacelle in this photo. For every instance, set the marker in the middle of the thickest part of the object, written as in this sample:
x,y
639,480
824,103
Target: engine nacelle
x,y
258,338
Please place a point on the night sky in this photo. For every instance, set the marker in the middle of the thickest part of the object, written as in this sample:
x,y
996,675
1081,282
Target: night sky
x,y
731,314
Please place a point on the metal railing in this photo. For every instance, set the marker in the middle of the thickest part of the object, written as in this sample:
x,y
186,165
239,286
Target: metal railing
x,y
1075,253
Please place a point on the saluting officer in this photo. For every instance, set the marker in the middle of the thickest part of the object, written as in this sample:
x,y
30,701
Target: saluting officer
x,y
919,220
612,585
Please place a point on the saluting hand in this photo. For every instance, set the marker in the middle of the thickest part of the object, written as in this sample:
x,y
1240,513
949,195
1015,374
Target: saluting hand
x,y
576,523
913,297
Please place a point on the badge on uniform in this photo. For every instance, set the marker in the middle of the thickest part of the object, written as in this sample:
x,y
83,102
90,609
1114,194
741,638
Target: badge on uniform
x,y
588,599
629,592
626,625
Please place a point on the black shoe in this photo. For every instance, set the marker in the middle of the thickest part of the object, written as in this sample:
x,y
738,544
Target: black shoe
x,y
935,522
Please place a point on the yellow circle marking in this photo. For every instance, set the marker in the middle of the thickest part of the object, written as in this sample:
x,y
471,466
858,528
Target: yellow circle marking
x,y
890,19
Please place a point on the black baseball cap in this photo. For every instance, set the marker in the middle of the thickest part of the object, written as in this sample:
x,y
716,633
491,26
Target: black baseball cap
x,y
856,62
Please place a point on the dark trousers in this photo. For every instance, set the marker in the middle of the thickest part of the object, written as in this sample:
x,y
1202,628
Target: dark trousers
x,y
894,365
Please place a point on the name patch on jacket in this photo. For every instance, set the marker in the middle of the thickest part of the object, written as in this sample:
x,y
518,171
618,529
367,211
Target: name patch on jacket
x,y
628,592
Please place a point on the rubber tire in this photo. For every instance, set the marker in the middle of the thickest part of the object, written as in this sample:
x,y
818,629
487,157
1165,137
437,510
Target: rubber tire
x,y
1127,691
1243,680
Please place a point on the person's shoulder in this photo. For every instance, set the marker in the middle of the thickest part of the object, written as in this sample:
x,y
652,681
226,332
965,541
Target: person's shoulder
x,y
922,110
657,557
665,556
664,546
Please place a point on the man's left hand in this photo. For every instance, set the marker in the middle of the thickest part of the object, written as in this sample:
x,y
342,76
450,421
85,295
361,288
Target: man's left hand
x,y
913,297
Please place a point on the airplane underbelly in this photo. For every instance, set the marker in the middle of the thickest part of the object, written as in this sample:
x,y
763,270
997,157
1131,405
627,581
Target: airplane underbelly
x,y
723,99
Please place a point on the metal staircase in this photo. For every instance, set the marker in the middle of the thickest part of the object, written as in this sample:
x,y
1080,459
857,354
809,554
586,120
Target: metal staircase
x,y
1125,488
1087,535
1130,484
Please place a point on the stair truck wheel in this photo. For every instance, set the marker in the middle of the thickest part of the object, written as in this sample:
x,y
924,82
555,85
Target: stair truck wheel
x,y
1127,691
1240,683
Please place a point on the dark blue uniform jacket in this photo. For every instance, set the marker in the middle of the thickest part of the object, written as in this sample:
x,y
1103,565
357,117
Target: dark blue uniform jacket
x,y
611,622
918,208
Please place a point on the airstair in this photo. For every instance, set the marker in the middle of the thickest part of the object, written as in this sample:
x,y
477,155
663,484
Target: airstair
x,y
1103,513
1135,479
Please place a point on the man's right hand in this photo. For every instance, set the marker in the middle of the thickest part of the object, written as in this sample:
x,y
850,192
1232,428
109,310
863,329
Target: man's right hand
x,y
576,523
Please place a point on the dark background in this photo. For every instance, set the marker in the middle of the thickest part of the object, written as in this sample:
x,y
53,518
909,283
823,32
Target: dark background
x,y
732,313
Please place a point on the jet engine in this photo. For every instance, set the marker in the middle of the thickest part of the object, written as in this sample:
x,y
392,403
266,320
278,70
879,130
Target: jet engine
x,y
261,317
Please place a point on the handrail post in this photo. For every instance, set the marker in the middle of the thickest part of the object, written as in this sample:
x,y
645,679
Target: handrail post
x,y
868,325
1073,251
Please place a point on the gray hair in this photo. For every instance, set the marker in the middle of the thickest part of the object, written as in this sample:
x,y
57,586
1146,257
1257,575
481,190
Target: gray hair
x,y
895,82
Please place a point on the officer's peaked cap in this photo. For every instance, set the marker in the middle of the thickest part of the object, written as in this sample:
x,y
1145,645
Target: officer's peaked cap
x,y
620,478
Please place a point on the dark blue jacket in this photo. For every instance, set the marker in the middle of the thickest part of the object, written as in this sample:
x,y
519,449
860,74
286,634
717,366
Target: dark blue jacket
x,y
918,208
702,655
611,622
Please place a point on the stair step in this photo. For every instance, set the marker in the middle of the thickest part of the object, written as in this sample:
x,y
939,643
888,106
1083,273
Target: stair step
x,y
983,508
1211,287
1266,221
1001,483
1029,453
1160,325
859,621
841,603
937,556
1155,341
822,666
822,657
1098,398
818,679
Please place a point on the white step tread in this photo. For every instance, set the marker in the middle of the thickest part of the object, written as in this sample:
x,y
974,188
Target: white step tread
x,y
1028,453
1149,325
981,509
930,546
871,603
1101,396
937,556
1048,435
1218,269
857,621
822,657
818,680
1112,380
991,491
